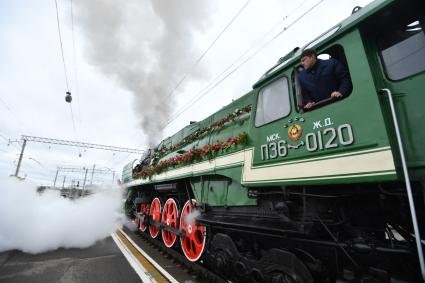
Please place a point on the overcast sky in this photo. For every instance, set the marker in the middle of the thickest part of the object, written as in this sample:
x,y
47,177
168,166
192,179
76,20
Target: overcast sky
x,y
133,67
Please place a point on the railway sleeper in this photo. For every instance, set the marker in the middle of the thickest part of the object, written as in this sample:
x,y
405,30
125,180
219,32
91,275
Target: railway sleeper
x,y
203,273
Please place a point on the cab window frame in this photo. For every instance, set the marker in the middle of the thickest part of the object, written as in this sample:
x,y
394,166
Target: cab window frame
x,y
321,38
286,98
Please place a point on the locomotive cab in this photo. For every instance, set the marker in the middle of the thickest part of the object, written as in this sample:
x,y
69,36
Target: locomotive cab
x,y
289,143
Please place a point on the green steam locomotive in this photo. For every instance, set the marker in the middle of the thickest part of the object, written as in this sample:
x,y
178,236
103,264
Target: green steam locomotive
x,y
266,191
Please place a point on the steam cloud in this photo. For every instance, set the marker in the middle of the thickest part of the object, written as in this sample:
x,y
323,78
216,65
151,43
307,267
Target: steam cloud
x,y
35,223
190,218
147,47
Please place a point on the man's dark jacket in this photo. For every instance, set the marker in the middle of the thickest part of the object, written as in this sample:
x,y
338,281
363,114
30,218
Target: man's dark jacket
x,y
325,77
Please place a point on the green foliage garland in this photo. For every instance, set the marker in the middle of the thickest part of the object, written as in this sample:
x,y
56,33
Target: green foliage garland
x,y
195,154
216,126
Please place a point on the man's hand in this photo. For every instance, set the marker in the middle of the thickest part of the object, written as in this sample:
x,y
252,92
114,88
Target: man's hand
x,y
309,105
336,94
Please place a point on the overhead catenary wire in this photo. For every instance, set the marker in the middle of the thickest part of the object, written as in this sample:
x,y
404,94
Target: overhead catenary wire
x,y
73,122
80,144
209,88
3,137
36,161
5,104
209,48
123,159
17,119
77,89
64,67
30,169
9,142
61,46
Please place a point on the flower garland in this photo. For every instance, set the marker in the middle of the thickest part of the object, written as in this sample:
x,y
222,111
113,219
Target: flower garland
x,y
208,151
216,126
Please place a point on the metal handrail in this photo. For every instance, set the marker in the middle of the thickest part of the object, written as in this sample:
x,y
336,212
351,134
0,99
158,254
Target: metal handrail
x,y
407,181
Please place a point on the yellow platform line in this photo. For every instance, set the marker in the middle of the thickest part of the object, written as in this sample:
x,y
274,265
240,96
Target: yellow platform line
x,y
156,275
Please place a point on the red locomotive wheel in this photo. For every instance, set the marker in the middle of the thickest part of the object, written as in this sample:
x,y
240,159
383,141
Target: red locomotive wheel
x,y
155,212
169,218
144,208
193,243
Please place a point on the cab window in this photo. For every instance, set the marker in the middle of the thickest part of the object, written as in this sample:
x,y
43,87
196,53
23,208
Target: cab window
x,y
335,52
273,102
399,35
402,49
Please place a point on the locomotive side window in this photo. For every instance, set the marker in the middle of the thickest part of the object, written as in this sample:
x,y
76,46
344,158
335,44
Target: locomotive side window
x,y
273,102
402,48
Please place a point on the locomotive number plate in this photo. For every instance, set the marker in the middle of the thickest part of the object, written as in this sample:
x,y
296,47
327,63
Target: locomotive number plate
x,y
322,139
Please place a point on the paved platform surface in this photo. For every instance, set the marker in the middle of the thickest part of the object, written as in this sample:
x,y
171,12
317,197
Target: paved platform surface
x,y
102,262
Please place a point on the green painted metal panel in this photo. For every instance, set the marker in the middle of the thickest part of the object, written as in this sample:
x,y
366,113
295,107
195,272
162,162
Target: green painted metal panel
x,y
218,190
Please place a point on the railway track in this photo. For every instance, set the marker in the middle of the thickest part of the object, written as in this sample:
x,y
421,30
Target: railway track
x,y
179,269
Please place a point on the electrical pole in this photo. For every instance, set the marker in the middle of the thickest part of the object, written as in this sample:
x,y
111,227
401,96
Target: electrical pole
x,y
20,158
85,178
56,177
92,173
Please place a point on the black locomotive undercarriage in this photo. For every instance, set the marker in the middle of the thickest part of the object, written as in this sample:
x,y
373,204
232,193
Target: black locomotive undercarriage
x,y
308,234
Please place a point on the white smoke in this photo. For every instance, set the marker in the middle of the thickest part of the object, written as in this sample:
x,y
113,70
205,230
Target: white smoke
x,y
147,46
131,225
35,223
190,218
